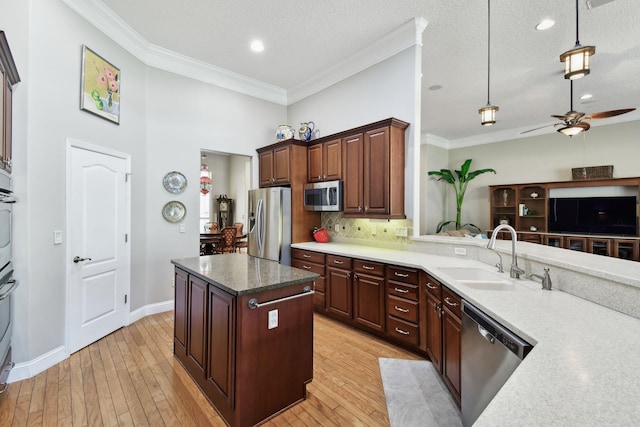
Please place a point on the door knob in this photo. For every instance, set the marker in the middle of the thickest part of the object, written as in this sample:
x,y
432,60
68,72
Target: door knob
x,y
78,259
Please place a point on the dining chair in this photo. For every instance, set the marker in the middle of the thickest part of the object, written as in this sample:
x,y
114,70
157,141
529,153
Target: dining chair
x,y
227,240
240,243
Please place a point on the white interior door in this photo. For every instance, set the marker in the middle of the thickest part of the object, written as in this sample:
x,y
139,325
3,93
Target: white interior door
x,y
97,251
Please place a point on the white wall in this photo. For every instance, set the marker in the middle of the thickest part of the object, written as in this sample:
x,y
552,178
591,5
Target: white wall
x,y
166,120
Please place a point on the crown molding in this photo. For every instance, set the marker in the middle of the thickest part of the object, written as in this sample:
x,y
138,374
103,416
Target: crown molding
x,y
407,35
106,21
435,140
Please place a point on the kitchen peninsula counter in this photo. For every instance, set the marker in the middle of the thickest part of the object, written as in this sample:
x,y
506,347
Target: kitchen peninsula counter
x,y
244,332
584,368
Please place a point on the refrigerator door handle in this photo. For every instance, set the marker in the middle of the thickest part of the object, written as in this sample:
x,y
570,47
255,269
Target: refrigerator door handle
x,y
260,225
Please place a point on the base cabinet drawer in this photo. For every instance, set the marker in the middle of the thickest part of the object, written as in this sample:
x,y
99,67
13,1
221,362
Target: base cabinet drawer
x,y
401,330
402,308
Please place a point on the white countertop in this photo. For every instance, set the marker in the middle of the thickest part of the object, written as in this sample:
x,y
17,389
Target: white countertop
x,y
585,367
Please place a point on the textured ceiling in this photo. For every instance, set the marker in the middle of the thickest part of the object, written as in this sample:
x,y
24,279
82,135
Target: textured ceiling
x,y
305,37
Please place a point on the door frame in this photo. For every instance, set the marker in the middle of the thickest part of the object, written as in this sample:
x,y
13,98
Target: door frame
x,y
78,144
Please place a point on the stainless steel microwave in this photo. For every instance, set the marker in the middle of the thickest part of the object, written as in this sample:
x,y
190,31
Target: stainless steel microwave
x,y
323,196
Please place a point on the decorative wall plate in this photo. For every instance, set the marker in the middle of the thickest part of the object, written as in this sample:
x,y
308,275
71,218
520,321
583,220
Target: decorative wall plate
x,y
174,211
174,182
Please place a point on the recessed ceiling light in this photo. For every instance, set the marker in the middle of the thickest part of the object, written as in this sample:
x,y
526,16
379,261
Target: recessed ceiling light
x,y
545,24
586,96
257,46
435,87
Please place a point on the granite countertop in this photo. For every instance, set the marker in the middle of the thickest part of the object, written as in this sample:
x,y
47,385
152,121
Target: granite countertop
x,y
584,368
240,274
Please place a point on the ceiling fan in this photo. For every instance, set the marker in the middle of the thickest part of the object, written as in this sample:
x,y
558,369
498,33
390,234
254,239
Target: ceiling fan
x,y
572,122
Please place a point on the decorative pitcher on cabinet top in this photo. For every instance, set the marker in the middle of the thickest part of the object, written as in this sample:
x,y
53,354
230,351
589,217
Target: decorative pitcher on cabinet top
x,y
306,130
284,132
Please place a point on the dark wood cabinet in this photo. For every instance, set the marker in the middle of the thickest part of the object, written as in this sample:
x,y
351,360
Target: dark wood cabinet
x,y
352,158
433,317
324,161
373,170
402,299
314,262
355,292
248,368
275,166
451,344
8,78
526,208
180,313
368,294
339,287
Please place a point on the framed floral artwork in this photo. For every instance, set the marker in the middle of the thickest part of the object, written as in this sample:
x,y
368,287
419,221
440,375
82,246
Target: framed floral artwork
x,y
100,90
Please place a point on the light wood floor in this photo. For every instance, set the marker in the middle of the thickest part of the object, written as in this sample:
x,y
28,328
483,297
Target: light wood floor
x,y
131,378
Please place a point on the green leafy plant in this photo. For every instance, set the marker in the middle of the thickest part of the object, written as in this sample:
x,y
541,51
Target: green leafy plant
x,y
459,181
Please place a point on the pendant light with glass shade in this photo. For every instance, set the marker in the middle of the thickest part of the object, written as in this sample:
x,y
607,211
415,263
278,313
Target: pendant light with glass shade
x,y
577,59
488,113
205,176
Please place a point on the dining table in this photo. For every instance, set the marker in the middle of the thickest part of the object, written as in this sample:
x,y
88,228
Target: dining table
x,y
208,241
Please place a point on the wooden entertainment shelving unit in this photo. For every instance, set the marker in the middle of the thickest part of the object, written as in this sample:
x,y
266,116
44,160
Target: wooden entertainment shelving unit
x,y
531,223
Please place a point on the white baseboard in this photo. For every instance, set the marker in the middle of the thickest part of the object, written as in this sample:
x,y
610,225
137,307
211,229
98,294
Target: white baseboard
x,y
150,309
31,368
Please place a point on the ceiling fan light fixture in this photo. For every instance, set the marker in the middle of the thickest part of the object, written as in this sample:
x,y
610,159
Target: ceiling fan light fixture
x,y
577,61
488,115
574,129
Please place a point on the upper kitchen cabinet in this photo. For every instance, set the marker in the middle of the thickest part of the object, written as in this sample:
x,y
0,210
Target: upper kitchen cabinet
x,y
373,170
9,77
324,161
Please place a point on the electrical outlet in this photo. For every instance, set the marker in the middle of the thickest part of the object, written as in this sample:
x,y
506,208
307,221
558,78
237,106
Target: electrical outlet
x,y
374,230
336,228
183,228
460,251
273,319
57,237
401,231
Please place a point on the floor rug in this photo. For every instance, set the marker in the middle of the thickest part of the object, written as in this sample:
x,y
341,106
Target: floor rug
x,y
416,395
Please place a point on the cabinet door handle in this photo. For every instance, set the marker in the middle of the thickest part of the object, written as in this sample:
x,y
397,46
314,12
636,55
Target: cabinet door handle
x,y
452,304
319,177
430,286
337,261
306,255
366,267
400,274
402,291
400,309
400,331
306,267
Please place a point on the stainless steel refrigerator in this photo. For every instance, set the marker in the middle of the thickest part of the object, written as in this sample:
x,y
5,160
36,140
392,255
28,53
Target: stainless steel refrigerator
x,y
269,233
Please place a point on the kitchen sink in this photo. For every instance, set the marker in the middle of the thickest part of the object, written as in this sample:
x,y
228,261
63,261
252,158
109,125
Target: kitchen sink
x,y
462,274
477,278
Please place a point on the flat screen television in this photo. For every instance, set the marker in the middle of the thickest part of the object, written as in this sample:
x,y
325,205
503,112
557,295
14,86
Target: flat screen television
x,y
594,215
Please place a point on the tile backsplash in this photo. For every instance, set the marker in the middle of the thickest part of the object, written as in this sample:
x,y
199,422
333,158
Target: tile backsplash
x,y
375,230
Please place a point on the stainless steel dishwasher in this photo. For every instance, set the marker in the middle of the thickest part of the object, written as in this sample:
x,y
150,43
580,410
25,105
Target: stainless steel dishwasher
x,y
490,354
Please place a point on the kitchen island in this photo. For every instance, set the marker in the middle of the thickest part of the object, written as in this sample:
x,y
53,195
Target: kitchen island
x,y
244,332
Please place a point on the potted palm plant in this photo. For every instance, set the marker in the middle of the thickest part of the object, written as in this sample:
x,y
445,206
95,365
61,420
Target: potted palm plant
x,y
459,181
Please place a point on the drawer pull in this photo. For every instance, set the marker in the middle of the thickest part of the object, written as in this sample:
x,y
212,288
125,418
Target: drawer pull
x,y
337,261
400,309
306,267
430,286
400,274
306,255
400,331
366,267
402,291
452,304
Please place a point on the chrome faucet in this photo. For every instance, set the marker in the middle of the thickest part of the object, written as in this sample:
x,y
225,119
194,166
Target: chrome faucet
x,y
515,271
546,279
